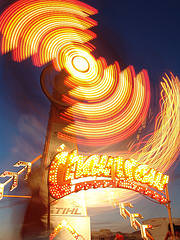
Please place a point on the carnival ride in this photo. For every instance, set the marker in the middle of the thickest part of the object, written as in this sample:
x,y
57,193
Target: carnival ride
x,y
104,105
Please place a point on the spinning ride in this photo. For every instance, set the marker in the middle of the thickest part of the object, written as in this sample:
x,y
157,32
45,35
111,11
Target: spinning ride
x,y
101,105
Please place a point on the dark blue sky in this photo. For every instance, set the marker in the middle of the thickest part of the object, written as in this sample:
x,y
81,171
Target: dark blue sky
x,y
145,34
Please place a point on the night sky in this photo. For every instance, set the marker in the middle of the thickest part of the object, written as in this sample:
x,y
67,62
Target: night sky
x,y
144,34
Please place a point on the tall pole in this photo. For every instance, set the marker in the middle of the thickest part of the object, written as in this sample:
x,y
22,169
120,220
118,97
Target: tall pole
x,y
169,213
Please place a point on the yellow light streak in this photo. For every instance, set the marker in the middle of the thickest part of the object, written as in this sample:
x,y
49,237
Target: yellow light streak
x,y
109,105
39,28
80,64
162,148
114,109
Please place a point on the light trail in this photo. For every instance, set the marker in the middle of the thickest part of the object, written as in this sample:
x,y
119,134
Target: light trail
x,y
162,148
108,105
16,196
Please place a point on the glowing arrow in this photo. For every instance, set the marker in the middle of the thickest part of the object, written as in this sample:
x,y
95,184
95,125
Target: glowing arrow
x,y
27,166
133,221
123,211
13,176
143,231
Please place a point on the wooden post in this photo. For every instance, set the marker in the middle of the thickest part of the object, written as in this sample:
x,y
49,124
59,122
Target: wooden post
x,y
169,213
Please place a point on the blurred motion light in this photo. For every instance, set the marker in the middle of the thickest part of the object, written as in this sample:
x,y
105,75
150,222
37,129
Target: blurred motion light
x,y
106,105
80,64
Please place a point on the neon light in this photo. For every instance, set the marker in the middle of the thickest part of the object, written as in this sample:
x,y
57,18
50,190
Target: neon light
x,y
67,226
17,196
122,209
70,172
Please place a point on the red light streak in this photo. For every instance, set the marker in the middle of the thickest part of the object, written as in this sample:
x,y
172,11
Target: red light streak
x,y
109,105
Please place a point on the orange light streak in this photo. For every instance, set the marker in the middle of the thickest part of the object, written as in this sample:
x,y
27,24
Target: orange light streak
x,y
36,159
16,196
162,148
108,105
116,106
29,26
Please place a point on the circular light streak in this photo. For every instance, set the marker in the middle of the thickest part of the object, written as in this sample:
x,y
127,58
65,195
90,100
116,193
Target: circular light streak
x,y
108,105
76,78
80,64
39,28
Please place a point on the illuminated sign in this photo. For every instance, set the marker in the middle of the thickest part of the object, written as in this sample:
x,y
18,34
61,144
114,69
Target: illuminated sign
x,y
71,172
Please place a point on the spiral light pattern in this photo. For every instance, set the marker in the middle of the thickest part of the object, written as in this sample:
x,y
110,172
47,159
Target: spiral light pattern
x,y
107,108
107,105
39,28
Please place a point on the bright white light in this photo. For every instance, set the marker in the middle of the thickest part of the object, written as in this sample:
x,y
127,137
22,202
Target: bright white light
x,y
80,64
